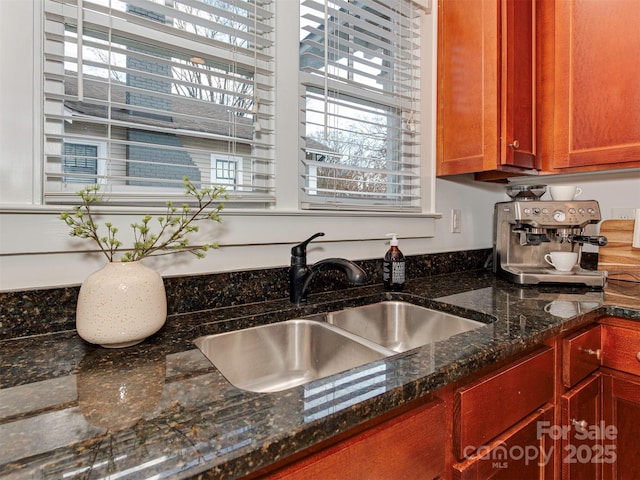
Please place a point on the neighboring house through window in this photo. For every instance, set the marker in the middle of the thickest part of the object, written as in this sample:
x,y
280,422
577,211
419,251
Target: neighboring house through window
x,y
186,88
165,85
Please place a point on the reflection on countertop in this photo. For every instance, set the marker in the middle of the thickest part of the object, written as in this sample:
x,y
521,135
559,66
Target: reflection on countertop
x,y
69,409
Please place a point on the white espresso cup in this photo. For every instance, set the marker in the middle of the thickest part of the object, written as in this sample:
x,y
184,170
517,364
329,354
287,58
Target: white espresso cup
x,y
562,261
564,193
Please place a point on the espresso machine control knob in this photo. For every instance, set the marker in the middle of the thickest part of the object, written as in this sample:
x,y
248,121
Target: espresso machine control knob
x,y
559,216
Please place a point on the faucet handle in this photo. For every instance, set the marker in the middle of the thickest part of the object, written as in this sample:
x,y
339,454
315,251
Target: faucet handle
x,y
300,250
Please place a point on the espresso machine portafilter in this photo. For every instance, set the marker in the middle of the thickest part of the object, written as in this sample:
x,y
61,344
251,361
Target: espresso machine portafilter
x,y
528,229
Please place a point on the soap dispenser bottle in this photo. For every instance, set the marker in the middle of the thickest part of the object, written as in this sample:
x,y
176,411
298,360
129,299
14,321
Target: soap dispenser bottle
x,y
393,266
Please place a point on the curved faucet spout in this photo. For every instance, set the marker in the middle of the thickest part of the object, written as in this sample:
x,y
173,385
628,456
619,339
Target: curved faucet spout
x,y
301,277
354,273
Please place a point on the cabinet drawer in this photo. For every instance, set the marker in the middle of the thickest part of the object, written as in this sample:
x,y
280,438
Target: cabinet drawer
x,y
489,406
581,354
621,348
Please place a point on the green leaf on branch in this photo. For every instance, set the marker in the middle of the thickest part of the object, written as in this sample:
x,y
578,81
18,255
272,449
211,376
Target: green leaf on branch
x,y
173,229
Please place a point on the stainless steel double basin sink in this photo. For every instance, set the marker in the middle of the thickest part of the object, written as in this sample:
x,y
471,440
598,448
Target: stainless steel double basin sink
x,y
277,356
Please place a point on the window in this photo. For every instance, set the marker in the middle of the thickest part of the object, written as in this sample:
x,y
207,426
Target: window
x,y
227,172
359,64
80,162
186,88
165,86
83,161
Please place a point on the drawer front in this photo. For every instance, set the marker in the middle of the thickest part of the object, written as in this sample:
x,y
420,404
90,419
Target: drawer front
x,y
581,354
621,349
409,446
494,403
520,452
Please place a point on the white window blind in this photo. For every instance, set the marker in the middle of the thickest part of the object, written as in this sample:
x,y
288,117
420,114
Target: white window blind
x,y
164,86
360,68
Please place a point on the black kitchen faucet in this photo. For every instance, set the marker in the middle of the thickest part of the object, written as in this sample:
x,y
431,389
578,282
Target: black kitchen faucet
x,y
300,275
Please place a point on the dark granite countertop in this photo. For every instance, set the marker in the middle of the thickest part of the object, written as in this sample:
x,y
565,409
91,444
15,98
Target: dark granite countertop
x,y
69,409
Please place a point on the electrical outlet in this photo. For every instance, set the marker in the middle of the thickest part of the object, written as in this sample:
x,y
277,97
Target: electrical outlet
x,y
456,220
622,213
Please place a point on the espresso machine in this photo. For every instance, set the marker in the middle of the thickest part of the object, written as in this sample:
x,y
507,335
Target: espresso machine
x,y
527,228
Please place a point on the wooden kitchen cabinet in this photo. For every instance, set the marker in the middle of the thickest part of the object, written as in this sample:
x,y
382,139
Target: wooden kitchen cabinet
x,y
588,89
486,99
621,345
409,446
600,414
621,399
582,453
621,396
496,419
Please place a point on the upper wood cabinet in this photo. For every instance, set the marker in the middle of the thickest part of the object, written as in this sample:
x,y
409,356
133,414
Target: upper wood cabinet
x,y
588,84
486,87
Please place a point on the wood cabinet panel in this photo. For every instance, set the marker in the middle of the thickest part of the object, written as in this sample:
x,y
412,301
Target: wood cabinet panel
x,y
521,452
517,136
581,354
621,409
588,84
409,446
582,450
467,86
621,348
480,409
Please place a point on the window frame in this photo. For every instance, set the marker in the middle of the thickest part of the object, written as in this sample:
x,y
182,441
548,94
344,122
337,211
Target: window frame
x,y
344,95
22,190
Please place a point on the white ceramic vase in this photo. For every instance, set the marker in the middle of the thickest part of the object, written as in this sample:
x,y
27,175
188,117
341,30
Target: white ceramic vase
x,y
121,304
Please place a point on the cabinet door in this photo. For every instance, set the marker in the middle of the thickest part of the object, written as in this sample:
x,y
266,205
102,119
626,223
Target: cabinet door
x,y
524,452
517,136
589,83
468,94
485,86
409,447
621,410
582,450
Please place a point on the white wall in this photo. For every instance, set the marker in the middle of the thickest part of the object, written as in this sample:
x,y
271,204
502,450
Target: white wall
x,y
249,241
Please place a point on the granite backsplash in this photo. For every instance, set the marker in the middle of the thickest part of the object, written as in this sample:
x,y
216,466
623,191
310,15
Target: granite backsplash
x,y
34,312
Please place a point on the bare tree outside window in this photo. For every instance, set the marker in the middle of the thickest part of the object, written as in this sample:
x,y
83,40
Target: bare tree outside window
x,y
209,80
